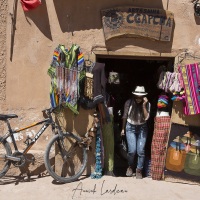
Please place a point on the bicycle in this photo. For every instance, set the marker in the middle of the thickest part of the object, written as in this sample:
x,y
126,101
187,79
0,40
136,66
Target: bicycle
x,y
64,144
71,153
18,158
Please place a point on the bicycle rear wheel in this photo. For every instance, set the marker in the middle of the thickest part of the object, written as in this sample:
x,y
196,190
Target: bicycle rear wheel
x,y
64,159
4,164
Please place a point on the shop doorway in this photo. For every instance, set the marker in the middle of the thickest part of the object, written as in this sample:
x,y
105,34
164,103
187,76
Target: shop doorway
x,y
133,71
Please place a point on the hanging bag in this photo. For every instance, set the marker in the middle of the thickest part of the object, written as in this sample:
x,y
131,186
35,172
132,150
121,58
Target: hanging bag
x,y
192,164
176,155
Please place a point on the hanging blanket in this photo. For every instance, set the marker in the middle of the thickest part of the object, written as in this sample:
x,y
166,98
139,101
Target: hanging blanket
x,y
190,75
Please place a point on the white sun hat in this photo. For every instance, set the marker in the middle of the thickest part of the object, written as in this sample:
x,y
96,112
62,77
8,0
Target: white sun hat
x,y
140,91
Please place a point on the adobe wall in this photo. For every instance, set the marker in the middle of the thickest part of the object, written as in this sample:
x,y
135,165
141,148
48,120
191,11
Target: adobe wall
x,y
29,48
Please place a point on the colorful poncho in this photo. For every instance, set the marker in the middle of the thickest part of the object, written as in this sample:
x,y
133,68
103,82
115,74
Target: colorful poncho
x,y
66,71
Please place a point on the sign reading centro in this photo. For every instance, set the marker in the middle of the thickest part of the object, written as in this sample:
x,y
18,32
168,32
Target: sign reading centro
x,y
137,22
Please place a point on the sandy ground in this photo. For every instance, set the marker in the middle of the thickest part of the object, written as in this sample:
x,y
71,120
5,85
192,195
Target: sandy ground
x,y
129,188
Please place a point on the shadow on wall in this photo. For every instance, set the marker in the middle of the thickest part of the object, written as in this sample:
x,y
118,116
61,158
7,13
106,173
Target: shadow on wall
x,y
84,15
158,46
74,15
179,117
78,124
41,19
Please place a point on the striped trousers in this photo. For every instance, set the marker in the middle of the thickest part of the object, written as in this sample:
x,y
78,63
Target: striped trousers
x,y
158,146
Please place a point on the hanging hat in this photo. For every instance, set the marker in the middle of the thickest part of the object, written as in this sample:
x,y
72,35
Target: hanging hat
x,y
140,91
30,4
162,101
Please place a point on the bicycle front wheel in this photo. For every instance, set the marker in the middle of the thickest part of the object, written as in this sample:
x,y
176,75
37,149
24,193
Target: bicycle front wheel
x,y
4,164
64,159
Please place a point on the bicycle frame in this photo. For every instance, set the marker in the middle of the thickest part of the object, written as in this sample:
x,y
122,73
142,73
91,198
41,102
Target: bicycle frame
x,y
11,133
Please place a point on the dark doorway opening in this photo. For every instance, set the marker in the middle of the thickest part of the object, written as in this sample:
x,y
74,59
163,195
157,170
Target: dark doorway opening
x,y
132,72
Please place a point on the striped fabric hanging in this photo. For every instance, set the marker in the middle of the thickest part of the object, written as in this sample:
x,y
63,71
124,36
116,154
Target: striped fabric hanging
x,y
190,76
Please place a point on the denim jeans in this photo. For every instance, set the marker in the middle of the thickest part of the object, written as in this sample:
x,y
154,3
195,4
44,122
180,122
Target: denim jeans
x,y
136,136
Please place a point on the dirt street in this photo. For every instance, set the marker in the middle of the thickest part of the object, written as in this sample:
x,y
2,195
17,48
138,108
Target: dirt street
x,y
44,188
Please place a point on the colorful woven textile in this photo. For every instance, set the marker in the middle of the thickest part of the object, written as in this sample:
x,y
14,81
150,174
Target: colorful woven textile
x,y
98,167
158,146
167,81
80,61
190,74
66,71
72,92
162,101
179,96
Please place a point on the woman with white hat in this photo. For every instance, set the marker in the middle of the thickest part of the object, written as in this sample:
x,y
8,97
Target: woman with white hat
x,y
136,113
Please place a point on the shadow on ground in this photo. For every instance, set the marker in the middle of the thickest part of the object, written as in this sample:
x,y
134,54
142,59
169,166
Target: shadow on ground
x,y
20,179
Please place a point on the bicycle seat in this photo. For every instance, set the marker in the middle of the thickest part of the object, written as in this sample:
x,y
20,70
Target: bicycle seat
x,y
4,117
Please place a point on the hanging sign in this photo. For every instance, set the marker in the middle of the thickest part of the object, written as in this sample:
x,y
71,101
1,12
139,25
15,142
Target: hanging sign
x,y
151,23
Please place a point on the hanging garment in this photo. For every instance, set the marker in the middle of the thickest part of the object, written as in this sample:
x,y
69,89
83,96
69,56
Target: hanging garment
x,y
158,147
74,74
66,71
30,4
80,60
60,82
166,82
190,76
108,141
71,56
176,85
56,72
73,90
170,80
160,81
104,113
53,93
88,90
99,86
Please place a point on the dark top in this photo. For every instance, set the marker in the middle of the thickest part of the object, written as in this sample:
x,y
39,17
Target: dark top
x,y
99,84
